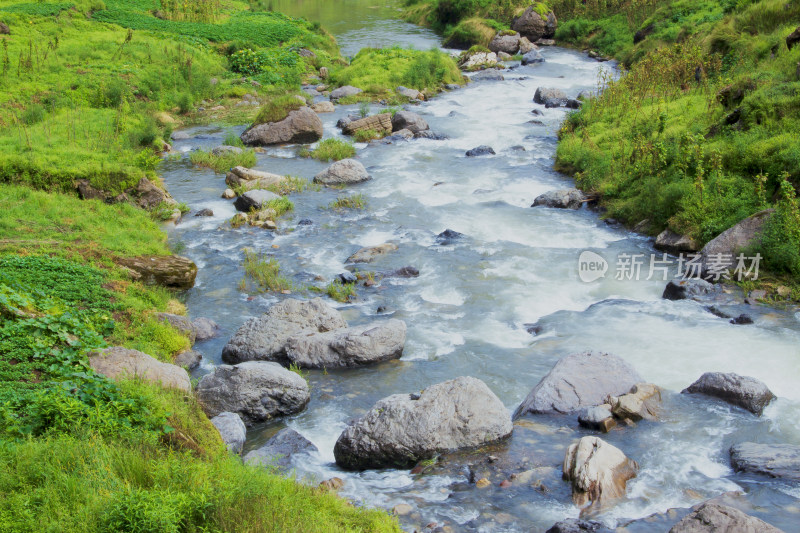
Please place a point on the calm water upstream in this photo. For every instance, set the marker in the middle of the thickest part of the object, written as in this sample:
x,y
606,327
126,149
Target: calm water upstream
x,y
467,311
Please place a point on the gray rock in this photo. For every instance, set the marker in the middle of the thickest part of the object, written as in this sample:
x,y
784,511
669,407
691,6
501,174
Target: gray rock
x,y
264,338
743,391
580,380
525,45
670,242
428,134
348,347
344,172
231,429
342,92
402,429
402,272
533,26
561,199
256,390
406,120
641,403
710,517
735,240
773,460
682,289
254,200
300,126
413,94
550,97
204,213
323,107
252,179
166,270
598,417
122,363
597,470
371,253
532,57
508,44
180,136
180,323
480,150
189,359
477,59
204,328
489,74
578,525
347,277
573,103
452,86
225,150
279,449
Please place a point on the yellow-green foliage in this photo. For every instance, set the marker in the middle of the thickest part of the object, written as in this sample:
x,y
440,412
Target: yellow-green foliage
x,y
225,161
341,292
277,107
280,205
265,272
291,184
468,32
352,201
333,150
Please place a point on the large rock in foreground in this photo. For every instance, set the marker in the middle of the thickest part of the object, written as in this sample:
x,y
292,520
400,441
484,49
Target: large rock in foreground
x,y
300,126
597,470
407,120
170,271
264,338
231,429
354,346
252,179
743,391
773,460
255,199
503,42
279,449
121,363
403,429
535,26
712,517
561,199
580,380
344,172
256,390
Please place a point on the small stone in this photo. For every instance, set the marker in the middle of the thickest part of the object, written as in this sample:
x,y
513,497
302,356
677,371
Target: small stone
x,y
228,194
204,213
482,483
505,484
402,509
334,483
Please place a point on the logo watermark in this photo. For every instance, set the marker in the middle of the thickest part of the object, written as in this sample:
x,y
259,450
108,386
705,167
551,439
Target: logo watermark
x,y
635,267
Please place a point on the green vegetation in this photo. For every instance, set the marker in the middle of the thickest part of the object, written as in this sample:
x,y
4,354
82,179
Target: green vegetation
x,y
333,150
341,292
233,140
278,106
292,184
280,206
363,136
224,161
352,201
265,272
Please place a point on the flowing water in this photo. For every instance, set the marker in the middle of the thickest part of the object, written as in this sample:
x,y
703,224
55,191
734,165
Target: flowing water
x,y
467,311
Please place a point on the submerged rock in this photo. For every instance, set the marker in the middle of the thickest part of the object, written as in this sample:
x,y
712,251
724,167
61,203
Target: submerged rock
x,y
597,470
480,150
371,253
402,272
448,236
773,460
406,120
166,270
300,126
256,390
577,525
682,289
550,97
344,172
279,449
532,57
561,199
123,363
402,429
743,391
711,517
231,429
489,74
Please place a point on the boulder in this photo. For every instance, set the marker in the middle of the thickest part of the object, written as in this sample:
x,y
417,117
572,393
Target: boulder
x,y
402,429
406,120
550,97
252,179
480,150
279,449
342,92
347,347
344,172
641,403
206,212
225,150
448,236
773,460
793,38
167,270
722,250
572,103
502,56
580,380
204,328
411,94
508,44
578,525
561,199
231,429
228,194
743,391
402,272
264,338
597,470
180,323
254,200
371,253
478,59
323,107
489,74
256,390
712,517
670,242
535,26
534,56
189,359
148,195
120,363
381,123
300,126
682,289
525,45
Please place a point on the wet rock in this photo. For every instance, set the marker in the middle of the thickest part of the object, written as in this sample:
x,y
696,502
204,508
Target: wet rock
x,y
279,449
482,483
537,112
204,213
381,123
597,470
489,74
683,289
773,460
448,236
231,429
478,59
502,56
670,242
508,44
371,253
713,517
517,148
120,363
722,251
254,200
189,359
402,272
598,417
402,509
332,484
742,319
402,429
180,136
743,391
572,103
249,178
305,222
264,338
342,92
532,57
323,107
225,150
204,328
452,86
577,525
166,270
428,134
344,172
347,277
228,194
406,120
561,199
549,97
178,322
534,26
480,150
525,45
256,390
347,347
300,126
641,403
580,380
411,94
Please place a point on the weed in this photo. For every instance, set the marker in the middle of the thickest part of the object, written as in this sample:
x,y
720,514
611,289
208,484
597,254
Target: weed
x,y
333,150
265,272
353,201
225,161
341,292
367,135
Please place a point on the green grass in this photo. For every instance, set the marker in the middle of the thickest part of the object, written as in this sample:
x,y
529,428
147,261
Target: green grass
x,y
363,136
265,272
233,140
278,108
294,184
281,206
341,292
333,150
353,201
223,162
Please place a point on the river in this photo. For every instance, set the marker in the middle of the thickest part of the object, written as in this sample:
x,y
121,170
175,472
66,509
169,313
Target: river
x,y
468,311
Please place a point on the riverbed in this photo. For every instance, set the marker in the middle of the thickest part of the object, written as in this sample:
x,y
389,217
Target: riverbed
x,y
514,269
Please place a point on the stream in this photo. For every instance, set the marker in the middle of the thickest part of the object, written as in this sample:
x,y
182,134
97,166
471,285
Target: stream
x,y
469,311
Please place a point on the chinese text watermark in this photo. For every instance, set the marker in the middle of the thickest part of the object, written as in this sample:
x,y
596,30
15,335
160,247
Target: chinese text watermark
x,y
634,267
